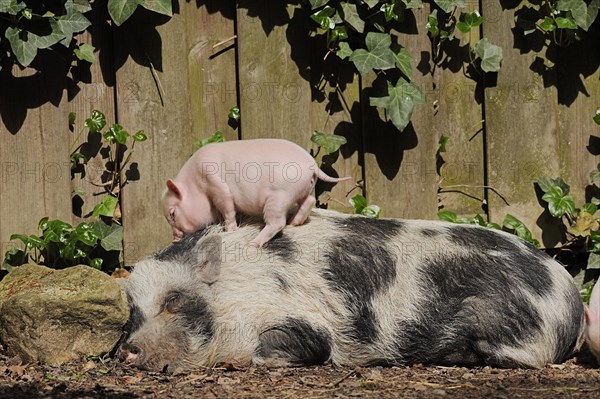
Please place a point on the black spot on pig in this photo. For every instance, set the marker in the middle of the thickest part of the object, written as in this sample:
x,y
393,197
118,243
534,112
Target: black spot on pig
x,y
468,312
295,342
567,331
283,247
136,317
282,282
524,260
359,266
181,250
192,310
378,229
430,233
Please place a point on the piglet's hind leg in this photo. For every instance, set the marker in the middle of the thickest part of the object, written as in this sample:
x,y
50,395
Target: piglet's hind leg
x,y
275,219
303,211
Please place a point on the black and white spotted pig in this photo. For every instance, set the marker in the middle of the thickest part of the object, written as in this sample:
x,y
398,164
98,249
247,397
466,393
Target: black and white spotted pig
x,y
352,291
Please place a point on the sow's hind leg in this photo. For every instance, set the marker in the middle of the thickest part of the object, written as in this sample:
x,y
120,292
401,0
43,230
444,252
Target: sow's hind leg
x,y
293,343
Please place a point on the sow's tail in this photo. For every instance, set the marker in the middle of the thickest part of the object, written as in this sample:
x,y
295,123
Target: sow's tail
x,y
323,176
592,318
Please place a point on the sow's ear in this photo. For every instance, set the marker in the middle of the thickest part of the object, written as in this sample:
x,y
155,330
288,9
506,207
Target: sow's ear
x,y
173,188
209,258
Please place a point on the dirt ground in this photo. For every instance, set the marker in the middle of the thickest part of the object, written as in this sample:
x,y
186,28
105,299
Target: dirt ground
x,y
97,378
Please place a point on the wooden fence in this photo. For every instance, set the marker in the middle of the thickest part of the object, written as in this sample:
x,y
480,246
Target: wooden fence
x,y
165,76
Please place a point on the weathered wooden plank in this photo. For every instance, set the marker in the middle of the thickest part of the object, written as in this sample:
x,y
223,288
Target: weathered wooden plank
x,y
400,168
279,74
458,114
211,60
578,80
521,127
274,96
335,109
94,89
153,95
34,168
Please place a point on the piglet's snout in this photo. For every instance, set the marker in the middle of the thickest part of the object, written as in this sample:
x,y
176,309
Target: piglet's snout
x,y
130,353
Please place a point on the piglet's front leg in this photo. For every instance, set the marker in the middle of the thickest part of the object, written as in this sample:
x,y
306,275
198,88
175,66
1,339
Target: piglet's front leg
x,y
226,208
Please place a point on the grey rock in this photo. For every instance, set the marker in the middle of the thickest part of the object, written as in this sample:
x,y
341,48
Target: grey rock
x,y
54,316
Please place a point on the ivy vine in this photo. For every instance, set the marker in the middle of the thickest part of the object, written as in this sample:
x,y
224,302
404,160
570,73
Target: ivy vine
x,y
28,26
561,22
361,31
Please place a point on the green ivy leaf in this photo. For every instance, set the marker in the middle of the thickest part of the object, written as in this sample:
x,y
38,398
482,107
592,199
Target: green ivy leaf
x,y
234,113
361,207
72,118
350,15
23,49
106,207
490,54
85,52
566,23
345,51
71,23
359,203
403,62
449,5
400,102
597,116
468,21
217,137
371,3
318,3
593,261
478,219
96,263
432,24
589,208
163,7
442,143
559,203
27,13
96,121
111,236
42,42
12,7
389,12
512,223
371,211
546,183
323,18
547,24
121,10
140,136
116,134
81,6
595,176
377,56
583,15
338,33
413,3
85,233
448,216
330,143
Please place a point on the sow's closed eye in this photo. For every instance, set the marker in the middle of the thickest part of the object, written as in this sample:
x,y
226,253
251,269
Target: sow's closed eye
x,y
173,302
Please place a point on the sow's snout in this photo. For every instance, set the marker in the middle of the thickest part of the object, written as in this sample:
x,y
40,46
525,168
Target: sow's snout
x,y
169,316
352,291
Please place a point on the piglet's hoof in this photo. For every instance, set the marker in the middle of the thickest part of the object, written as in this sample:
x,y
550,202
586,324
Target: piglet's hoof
x,y
254,244
231,227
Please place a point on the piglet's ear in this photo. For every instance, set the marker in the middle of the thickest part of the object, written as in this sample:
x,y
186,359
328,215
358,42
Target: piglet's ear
x,y
209,258
173,188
